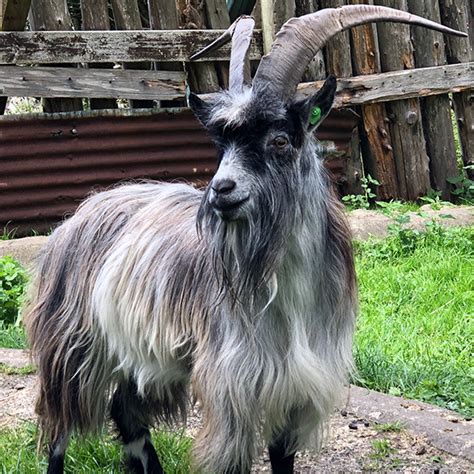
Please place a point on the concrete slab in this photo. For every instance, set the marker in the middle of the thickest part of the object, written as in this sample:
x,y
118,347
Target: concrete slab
x,y
444,429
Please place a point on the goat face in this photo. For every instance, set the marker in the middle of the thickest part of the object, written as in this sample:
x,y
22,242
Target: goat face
x,y
260,143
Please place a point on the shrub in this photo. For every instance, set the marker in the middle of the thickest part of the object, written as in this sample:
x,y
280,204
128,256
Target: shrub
x,y
12,284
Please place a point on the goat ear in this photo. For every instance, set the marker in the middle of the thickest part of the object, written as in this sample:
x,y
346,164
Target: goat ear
x,y
313,110
200,108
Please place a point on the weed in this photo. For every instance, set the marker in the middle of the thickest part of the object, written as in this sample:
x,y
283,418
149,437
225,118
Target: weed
x,y
381,449
362,201
463,186
395,427
9,370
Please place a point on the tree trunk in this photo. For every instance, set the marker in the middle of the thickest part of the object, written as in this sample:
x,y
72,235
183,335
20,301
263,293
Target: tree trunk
x,y
53,15
396,53
456,14
376,143
436,111
95,16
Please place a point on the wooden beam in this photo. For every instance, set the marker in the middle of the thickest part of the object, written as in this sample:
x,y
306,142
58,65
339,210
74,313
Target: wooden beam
x,y
112,46
399,85
100,83
113,83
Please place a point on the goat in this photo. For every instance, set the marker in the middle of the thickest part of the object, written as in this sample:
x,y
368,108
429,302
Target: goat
x,y
242,296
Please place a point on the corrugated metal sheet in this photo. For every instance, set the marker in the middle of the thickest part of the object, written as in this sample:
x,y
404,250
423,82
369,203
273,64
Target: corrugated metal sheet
x,y
49,163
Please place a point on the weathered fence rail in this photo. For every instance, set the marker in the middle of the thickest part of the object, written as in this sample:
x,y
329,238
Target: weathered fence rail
x,y
167,85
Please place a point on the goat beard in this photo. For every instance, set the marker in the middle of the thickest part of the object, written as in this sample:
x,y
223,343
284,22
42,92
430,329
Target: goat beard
x,y
247,253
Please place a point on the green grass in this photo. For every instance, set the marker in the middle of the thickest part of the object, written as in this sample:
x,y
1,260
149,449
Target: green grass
x,y
415,328
12,336
94,455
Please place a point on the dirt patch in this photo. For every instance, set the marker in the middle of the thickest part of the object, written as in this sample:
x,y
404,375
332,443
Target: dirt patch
x,y
354,445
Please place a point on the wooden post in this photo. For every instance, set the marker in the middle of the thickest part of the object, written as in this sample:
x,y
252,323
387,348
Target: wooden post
x,y
53,15
202,76
13,15
268,26
396,53
163,15
436,111
95,16
456,14
338,63
375,133
316,69
127,17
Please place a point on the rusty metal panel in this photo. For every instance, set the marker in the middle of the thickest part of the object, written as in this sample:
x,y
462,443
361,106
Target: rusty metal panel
x,y
49,163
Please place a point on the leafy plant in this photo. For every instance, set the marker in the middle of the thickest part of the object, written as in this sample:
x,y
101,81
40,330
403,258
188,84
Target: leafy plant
x,y
395,427
381,448
12,284
362,201
464,187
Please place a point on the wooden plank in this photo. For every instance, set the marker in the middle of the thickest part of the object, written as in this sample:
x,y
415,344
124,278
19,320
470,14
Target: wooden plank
x,y
112,46
436,111
397,85
360,90
456,14
100,83
13,15
408,141
95,16
53,15
127,17
376,142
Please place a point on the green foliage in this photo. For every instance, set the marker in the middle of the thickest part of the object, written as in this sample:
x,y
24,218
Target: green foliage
x,y
9,370
389,427
362,201
381,448
104,454
12,284
12,336
463,186
415,330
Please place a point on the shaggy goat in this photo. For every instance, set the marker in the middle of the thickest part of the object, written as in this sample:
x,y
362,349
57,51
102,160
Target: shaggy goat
x,y
245,292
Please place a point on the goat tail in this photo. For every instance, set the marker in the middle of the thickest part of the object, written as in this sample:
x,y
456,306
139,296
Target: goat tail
x,y
68,352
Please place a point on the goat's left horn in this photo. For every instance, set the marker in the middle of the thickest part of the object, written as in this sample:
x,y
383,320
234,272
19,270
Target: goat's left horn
x,y
241,34
301,38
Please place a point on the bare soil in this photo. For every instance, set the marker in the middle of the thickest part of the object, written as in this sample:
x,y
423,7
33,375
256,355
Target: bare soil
x,y
350,446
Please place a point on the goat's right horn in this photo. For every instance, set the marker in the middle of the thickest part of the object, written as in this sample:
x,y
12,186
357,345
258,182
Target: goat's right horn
x,y
241,34
301,38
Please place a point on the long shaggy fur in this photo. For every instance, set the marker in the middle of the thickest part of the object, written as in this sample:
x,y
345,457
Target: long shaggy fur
x,y
256,317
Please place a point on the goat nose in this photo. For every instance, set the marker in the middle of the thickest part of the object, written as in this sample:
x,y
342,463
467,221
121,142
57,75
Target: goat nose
x,y
223,186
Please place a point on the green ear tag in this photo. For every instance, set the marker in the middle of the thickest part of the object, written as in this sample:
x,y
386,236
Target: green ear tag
x,y
315,116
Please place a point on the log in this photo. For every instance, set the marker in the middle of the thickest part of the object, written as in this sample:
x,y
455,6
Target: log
x,y
408,141
112,46
339,63
95,16
127,17
202,77
53,15
163,15
456,14
436,111
376,142
13,15
109,83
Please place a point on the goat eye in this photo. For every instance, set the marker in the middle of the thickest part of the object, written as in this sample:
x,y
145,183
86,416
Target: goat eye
x,y
280,141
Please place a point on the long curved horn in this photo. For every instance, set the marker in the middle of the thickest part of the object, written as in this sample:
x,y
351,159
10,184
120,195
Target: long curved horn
x,y
241,34
301,38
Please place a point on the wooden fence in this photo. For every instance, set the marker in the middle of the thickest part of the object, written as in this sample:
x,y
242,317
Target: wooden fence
x,y
404,83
